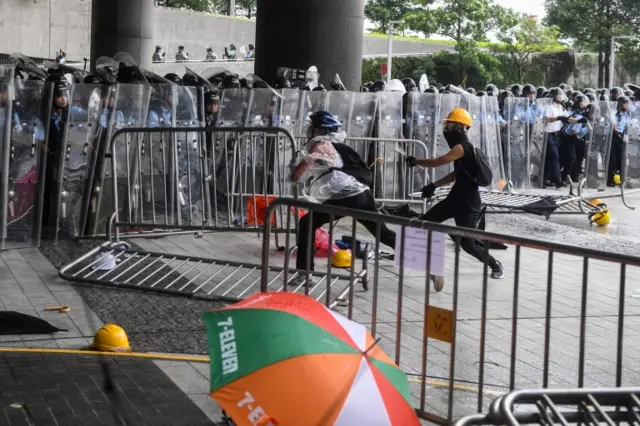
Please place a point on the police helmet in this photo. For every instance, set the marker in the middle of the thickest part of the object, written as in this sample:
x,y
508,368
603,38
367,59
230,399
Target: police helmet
x,y
629,93
540,91
516,90
189,80
92,79
471,90
557,94
568,93
281,83
378,86
246,84
432,89
259,84
623,100
319,88
580,102
528,90
481,93
409,84
563,87
546,94
174,78
504,95
60,85
592,97
615,93
231,82
211,98
589,90
491,90
364,89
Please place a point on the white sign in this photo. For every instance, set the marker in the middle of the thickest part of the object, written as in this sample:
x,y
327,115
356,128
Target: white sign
x,y
415,250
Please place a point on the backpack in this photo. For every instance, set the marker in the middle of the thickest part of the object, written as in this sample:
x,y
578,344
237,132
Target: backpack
x,y
484,175
353,165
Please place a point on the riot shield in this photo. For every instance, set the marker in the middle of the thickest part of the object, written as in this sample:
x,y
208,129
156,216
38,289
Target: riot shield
x,y
126,107
339,104
600,148
422,117
234,106
289,113
537,144
82,136
389,182
311,102
448,102
475,107
24,130
491,142
631,157
362,117
517,114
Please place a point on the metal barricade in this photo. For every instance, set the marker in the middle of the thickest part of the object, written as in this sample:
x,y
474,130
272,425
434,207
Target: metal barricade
x,y
475,339
562,406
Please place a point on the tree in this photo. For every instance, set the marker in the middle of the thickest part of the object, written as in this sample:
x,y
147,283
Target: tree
x,y
466,67
381,12
628,59
592,23
461,20
195,5
519,45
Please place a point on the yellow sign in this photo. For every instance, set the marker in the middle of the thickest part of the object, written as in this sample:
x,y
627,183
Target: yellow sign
x,y
439,324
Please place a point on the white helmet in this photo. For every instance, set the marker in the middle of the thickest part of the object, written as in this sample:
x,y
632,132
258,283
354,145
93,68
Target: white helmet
x,y
396,85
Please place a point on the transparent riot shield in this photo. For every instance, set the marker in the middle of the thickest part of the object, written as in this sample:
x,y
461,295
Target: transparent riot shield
x,y
597,158
448,102
491,142
389,159
233,107
126,107
423,118
475,107
289,112
363,116
631,153
537,144
518,115
311,102
82,137
189,158
339,104
22,154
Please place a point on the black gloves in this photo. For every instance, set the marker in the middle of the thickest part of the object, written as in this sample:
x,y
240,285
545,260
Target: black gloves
x,y
565,120
411,161
429,191
583,120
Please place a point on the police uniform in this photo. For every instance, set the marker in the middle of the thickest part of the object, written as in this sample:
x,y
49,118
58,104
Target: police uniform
x,y
621,121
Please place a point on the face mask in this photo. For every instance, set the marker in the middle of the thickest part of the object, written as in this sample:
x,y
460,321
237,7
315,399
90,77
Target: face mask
x,y
309,133
453,137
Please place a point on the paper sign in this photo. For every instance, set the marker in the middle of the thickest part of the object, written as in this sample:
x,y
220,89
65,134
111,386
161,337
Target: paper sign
x,y
415,250
439,324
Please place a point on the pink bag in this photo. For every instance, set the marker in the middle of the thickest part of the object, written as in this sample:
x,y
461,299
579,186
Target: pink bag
x,y
322,244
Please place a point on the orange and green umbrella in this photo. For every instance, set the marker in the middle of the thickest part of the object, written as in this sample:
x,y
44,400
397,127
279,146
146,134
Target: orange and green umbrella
x,y
285,359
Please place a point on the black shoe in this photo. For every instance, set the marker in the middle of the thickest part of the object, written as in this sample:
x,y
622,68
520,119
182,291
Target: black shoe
x,y
560,184
497,271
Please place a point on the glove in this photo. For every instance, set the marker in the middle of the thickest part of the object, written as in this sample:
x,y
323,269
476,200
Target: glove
x,y
583,120
411,161
565,120
429,191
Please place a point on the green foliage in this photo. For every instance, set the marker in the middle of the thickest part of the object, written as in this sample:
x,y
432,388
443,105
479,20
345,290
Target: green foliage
x,y
461,20
407,66
520,45
380,12
628,59
195,5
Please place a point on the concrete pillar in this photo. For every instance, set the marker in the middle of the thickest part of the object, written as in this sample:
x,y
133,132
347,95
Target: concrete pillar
x,y
122,26
301,33
231,8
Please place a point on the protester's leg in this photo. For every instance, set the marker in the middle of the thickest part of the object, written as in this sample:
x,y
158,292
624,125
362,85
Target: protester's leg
x,y
304,244
387,236
469,219
439,213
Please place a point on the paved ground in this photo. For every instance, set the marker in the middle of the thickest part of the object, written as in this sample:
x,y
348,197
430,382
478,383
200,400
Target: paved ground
x,y
161,323
48,389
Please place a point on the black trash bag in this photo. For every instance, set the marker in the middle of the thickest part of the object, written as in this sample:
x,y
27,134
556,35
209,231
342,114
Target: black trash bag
x,y
13,323
401,211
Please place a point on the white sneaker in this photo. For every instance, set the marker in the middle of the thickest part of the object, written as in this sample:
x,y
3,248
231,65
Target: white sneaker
x,y
438,283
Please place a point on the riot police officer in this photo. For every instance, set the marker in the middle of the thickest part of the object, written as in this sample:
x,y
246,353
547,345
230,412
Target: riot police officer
x,y
621,121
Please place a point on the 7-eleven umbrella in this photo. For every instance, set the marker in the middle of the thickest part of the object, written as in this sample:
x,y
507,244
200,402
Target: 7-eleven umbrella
x,y
285,359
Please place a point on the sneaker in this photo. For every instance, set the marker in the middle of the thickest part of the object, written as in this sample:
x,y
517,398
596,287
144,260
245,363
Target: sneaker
x,y
497,272
301,281
438,283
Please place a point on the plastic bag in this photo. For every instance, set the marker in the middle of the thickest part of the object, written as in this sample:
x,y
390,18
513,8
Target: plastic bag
x,y
322,244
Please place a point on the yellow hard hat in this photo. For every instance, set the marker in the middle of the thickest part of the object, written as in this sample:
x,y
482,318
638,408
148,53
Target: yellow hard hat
x,y
601,219
460,116
111,338
341,259
617,179
598,203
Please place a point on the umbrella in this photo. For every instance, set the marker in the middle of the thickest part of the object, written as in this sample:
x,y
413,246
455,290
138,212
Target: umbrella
x,y
285,359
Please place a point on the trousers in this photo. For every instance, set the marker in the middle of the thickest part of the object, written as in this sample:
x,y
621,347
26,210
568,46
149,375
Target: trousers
x,y
362,201
615,158
552,158
466,216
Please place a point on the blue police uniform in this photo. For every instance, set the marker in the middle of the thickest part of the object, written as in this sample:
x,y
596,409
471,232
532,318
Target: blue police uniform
x,y
621,120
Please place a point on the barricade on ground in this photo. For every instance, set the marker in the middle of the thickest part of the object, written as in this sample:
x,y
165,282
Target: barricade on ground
x,y
511,354
562,406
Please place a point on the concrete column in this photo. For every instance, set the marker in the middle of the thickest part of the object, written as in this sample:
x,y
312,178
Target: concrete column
x,y
122,26
301,33
231,8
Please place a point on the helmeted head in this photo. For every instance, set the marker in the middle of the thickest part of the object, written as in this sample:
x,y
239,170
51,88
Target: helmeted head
x,y
409,84
615,93
563,86
557,94
471,90
481,94
432,89
529,91
592,97
60,91
624,103
231,82
212,102
540,92
174,78
322,123
492,90
589,90
378,86
516,90
281,82
396,86
246,84
580,102
92,79
189,80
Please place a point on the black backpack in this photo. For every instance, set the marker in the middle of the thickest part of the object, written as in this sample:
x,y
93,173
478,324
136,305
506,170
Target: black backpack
x,y
353,165
484,174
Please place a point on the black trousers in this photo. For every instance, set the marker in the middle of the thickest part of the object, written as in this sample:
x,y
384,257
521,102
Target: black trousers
x,y
362,201
615,158
568,154
466,216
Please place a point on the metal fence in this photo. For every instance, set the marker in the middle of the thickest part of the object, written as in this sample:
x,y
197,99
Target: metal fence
x,y
402,307
562,406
